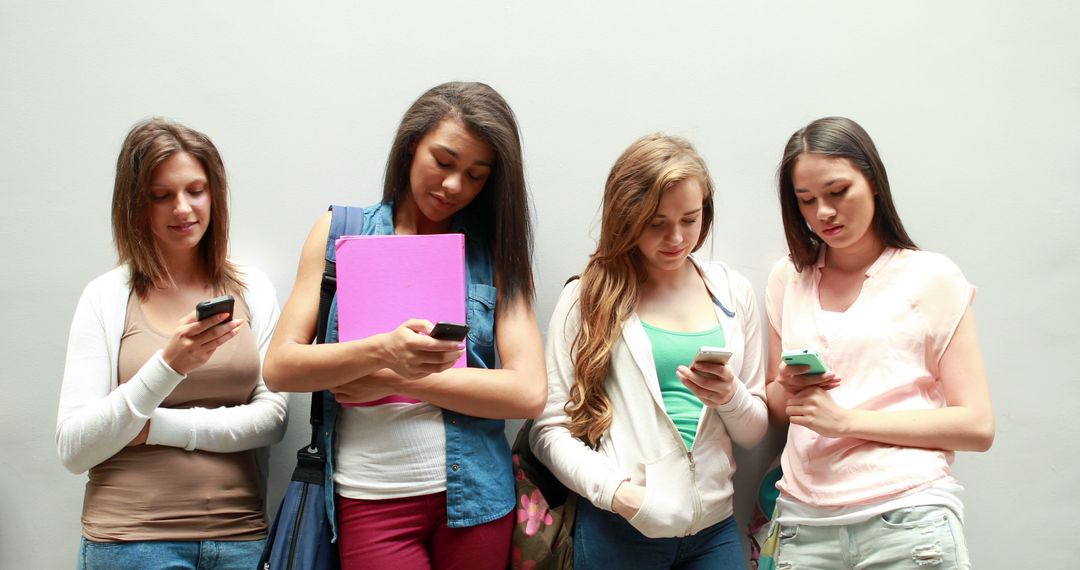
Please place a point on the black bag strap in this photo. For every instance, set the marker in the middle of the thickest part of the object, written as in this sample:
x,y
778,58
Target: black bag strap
x,y
344,220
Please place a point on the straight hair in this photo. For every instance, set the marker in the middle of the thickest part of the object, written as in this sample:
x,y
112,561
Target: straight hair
x,y
503,204
842,138
147,145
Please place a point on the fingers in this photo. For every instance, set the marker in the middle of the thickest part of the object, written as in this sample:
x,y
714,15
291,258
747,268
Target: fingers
x,y
420,326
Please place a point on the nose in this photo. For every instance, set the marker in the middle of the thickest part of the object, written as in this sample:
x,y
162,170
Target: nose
x,y
182,205
452,183
675,235
825,211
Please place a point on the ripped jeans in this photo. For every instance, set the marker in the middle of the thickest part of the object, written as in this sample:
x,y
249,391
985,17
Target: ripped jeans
x,y
925,537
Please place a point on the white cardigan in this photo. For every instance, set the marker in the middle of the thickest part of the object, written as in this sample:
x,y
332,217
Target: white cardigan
x,y
684,492
96,419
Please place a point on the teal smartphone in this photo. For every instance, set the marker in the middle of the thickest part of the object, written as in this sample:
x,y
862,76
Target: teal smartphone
x,y
805,357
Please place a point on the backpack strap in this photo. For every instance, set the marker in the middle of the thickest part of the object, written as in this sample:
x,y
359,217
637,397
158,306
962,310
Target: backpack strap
x,y
344,221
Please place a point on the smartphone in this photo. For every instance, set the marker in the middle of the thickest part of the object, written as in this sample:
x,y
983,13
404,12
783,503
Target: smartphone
x,y
712,354
211,307
805,356
449,331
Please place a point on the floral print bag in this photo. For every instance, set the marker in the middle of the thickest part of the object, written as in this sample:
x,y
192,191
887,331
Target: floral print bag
x,y
545,512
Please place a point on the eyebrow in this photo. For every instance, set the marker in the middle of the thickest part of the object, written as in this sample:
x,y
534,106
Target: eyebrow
x,y
826,185
691,212
454,154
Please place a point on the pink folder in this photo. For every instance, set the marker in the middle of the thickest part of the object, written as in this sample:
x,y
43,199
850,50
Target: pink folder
x,y
383,281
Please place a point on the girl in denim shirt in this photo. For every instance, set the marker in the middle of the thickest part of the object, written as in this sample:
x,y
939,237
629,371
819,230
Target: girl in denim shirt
x,y
429,483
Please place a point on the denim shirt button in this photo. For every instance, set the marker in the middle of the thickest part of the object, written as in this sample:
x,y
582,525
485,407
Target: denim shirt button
x,y
453,421
455,467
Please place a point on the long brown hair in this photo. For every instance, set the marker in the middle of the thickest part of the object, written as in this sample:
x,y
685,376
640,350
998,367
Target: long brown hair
x,y
503,203
611,281
836,137
148,144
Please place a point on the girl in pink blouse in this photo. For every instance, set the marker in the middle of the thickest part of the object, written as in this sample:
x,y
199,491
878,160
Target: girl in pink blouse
x,y
867,480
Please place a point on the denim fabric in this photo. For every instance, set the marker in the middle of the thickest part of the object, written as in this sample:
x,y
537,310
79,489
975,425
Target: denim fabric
x,y
913,537
603,539
479,480
170,555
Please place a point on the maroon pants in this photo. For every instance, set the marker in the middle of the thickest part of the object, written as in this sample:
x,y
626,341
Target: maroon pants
x,y
411,533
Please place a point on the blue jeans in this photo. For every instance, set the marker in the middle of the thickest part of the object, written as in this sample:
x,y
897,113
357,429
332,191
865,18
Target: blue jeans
x,y
605,540
913,537
168,555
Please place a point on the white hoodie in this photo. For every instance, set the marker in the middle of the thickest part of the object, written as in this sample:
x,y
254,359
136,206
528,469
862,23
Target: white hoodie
x,y
685,492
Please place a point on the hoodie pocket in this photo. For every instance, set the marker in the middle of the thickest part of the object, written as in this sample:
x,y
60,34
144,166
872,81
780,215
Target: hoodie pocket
x,y
668,507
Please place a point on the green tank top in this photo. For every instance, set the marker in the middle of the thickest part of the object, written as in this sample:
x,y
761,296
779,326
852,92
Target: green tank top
x,y
672,349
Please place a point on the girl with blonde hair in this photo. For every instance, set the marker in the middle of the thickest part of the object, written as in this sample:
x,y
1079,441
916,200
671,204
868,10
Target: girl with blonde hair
x,y
633,424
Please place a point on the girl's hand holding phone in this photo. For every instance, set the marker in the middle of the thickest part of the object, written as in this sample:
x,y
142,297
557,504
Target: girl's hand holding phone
x,y
412,354
194,341
712,382
794,379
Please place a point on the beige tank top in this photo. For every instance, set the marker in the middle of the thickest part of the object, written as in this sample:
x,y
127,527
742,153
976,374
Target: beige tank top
x,y
157,492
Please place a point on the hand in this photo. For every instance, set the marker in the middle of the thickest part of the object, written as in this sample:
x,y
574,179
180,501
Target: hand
x,y
412,354
194,341
792,379
814,408
366,389
140,439
628,499
713,383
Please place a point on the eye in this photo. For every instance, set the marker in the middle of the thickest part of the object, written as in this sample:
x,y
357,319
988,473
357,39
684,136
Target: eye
x,y
476,177
841,191
807,201
689,221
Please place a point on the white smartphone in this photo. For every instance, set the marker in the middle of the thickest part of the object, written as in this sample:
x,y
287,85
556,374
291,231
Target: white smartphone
x,y
713,354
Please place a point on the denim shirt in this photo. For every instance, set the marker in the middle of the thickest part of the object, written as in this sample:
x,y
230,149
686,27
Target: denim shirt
x,y
479,480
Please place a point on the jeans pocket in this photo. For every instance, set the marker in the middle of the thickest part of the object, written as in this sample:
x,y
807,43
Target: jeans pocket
x,y
788,533
914,517
481,314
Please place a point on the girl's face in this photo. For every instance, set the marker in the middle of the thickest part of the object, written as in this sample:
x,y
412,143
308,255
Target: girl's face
x,y
835,199
179,204
675,228
450,166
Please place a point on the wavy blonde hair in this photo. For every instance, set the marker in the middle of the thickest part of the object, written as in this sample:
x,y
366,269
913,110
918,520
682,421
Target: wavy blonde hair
x,y
611,281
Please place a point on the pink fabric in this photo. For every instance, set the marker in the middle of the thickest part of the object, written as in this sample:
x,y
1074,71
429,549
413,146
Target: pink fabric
x,y
887,354
411,534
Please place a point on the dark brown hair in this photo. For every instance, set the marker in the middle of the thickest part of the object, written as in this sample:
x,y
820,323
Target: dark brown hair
x,y
844,138
611,281
148,144
503,204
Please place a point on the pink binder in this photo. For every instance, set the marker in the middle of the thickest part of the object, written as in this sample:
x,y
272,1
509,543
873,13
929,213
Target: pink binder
x,y
383,281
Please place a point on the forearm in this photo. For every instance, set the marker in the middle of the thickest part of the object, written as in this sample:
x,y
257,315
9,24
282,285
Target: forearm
x,y
294,367
91,428
953,428
745,417
497,394
229,429
776,399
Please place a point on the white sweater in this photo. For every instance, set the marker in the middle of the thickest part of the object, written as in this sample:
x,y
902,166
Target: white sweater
x,y
684,492
96,419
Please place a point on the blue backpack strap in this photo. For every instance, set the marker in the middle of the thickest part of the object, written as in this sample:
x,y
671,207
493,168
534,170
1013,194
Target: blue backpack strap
x,y
344,221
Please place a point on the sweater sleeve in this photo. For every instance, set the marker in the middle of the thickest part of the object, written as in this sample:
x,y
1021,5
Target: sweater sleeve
x,y
258,423
579,467
94,421
745,416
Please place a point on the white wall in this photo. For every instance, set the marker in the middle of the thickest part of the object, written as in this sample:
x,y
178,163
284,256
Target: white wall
x,y
975,107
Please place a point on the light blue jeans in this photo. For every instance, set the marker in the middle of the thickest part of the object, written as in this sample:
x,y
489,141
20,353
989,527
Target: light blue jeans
x,y
168,555
926,537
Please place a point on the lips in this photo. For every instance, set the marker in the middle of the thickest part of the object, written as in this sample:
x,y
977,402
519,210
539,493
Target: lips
x,y
184,228
673,253
442,202
830,231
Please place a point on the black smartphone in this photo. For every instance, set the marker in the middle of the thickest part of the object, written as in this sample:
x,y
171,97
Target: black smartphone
x,y
211,307
449,331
